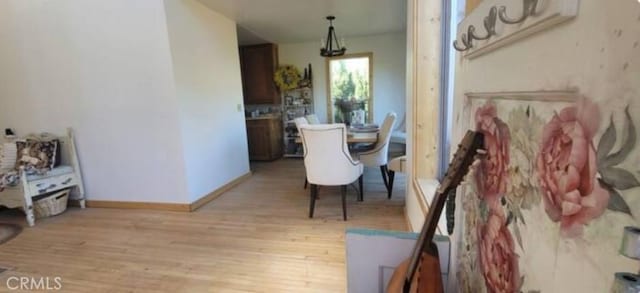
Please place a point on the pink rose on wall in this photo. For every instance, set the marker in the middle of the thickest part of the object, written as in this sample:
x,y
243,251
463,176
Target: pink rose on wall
x,y
498,261
492,178
566,167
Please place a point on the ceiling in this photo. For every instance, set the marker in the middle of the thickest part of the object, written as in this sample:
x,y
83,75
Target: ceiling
x,y
290,21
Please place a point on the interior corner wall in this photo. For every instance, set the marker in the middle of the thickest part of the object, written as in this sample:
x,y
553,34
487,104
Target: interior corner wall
x,y
389,63
103,68
206,67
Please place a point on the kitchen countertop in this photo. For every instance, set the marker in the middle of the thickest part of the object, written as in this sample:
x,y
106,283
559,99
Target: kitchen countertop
x,y
264,117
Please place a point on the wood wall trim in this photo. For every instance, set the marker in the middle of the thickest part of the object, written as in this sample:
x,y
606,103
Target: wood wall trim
x,y
424,82
162,206
138,205
407,221
425,89
413,89
424,206
218,192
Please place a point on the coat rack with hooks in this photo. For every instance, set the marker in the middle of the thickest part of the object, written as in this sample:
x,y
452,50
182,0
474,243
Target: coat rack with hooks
x,y
500,27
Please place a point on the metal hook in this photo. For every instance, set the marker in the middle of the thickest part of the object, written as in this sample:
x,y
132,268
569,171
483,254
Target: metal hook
x,y
491,20
471,31
534,4
528,9
465,41
489,24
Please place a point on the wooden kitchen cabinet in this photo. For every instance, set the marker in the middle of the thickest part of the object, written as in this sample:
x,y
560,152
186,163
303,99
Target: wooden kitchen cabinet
x,y
264,137
258,64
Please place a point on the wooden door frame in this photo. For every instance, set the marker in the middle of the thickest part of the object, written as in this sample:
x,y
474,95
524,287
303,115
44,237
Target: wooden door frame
x,y
327,64
424,89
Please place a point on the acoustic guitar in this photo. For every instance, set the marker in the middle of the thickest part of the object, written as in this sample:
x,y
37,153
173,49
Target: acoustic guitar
x,y
421,272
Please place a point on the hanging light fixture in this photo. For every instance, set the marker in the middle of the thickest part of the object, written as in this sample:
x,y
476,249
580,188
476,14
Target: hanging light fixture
x,y
331,47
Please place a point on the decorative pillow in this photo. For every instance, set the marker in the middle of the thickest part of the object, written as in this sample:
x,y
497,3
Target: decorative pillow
x,y
38,155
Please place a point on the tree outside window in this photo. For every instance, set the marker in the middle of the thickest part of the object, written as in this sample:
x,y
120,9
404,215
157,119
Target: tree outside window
x,y
350,87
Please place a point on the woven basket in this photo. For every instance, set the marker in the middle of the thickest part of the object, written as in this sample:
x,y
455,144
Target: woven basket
x,y
51,205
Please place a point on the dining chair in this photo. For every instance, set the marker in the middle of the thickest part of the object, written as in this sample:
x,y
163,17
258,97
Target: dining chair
x,y
327,161
398,164
312,119
399,134
378,156
299,122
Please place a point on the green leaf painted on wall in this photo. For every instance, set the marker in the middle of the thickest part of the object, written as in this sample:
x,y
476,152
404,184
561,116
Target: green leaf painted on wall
x,y
618,204
606,143
619,178
626,148
516,231
616,201
484,210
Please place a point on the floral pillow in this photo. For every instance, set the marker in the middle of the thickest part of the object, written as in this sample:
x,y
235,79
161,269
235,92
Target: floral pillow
x,y
36,155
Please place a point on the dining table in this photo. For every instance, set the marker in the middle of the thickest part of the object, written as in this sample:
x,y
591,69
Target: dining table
x,y
362,137
354,136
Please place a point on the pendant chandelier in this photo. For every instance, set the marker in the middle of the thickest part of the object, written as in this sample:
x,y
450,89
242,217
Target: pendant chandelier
x,y
332,47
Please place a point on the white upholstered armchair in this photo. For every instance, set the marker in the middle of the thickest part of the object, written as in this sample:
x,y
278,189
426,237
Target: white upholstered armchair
x,y
312,119
379,155
327,161
301,121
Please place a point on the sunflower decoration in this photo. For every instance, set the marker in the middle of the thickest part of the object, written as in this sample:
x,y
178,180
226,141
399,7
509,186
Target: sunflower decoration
x,y
287,77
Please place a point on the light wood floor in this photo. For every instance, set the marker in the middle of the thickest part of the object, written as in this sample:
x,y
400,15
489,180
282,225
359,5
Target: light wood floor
x,y
255,238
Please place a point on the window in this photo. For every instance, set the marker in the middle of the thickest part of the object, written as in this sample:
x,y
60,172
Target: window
x,y
349,87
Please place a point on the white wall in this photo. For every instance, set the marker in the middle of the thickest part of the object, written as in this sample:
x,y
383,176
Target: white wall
x,y
206,65
597,53
103,68
152,94
389,63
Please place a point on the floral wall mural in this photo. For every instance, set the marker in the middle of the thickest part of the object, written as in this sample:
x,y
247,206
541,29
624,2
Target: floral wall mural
x,y
552,193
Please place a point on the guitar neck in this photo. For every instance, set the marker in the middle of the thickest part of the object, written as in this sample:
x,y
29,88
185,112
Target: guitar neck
x,y
458,168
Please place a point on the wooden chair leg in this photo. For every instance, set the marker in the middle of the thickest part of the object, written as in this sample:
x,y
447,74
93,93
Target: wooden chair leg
x,y
343,192
383,171
306,182
361,188
312,199
392,175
